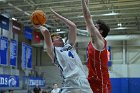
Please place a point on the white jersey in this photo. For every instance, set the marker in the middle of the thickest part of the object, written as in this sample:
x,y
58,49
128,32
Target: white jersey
x,y
55,90
69,62
72,70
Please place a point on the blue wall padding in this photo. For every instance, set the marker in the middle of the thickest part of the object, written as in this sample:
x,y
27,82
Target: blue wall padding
x,y
125,85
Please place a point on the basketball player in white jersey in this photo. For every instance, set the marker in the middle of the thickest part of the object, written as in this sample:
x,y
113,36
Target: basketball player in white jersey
x,y
66,58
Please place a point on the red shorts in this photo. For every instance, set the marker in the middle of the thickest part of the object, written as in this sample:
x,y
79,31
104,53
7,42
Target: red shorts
x,y
98,86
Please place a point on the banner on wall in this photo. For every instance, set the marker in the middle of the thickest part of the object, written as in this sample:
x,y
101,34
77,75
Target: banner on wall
x,y
4,22
32,81
3,50
28,33
9,81
109,56
29,56
13,52
23,58
16,26
26,56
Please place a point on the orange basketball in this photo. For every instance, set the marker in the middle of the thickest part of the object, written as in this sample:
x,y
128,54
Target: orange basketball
x,y
38,17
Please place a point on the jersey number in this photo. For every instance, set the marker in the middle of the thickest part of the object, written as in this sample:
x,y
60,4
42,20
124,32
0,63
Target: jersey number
x,y
70,54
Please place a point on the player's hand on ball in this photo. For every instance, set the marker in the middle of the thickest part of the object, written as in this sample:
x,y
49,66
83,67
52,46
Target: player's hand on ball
x,y
36,26
42,29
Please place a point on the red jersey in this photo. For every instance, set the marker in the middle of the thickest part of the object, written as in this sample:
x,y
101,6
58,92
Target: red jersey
x,y
98,70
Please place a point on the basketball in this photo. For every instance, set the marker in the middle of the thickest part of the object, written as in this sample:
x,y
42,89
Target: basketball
x,y
38,17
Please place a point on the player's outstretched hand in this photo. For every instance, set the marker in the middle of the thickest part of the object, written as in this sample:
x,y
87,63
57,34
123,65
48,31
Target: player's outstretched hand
x,y
86,1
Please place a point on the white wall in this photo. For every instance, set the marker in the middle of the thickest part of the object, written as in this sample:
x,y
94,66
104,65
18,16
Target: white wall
x,y
125,71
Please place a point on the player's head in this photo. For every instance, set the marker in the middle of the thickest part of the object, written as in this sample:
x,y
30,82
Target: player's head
x,y
102,27
11,91
55,85
57,40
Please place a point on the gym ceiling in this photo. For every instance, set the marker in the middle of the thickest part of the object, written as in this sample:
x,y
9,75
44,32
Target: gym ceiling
x,y
123,16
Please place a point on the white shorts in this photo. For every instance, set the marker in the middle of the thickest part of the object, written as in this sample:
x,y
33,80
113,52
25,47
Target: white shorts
x,y
76,91
76,85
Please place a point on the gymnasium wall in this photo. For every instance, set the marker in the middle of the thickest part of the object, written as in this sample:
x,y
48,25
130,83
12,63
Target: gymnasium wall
x,y
124,72
125,79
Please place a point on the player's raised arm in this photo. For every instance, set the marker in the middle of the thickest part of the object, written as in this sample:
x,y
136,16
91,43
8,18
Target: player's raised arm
x,y
72,28
47,37
96,38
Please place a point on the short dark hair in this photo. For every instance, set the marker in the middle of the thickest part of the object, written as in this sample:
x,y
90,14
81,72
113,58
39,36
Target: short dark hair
x,y
103,26
10,90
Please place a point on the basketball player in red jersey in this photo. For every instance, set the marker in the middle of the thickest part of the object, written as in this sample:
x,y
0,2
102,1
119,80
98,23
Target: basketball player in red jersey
x,y
98,76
